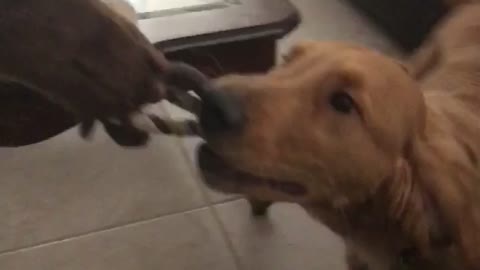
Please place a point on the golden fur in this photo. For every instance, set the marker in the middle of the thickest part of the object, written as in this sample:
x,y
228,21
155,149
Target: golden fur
x,y
398,176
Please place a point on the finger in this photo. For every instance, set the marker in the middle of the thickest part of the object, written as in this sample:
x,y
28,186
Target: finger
x,y
125,134
81,89
186,77
154,92
97,94
157,59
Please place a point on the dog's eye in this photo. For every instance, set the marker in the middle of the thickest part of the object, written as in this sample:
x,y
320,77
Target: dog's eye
x,y
342,102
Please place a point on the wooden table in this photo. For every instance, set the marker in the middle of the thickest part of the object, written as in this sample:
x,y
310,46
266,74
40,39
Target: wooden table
x,y
239,37
407,22
232,38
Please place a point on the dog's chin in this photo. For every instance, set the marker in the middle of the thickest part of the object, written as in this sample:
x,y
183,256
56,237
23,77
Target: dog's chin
x,y
221,176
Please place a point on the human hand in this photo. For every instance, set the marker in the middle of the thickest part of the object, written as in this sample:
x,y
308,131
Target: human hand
x,y
84,57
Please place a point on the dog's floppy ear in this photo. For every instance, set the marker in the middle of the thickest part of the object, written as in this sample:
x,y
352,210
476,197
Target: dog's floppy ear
x,y
424,59
451,186
404,66
410,208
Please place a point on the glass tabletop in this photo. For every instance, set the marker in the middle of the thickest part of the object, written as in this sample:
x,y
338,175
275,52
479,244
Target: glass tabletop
x,y
158,8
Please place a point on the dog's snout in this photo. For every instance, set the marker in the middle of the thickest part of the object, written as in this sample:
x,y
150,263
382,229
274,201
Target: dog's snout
x,y
221,112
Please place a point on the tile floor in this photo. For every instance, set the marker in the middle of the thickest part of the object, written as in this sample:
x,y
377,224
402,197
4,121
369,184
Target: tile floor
x,y
67,204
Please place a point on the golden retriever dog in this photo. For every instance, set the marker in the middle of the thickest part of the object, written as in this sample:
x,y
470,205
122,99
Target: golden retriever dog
x,y
389,163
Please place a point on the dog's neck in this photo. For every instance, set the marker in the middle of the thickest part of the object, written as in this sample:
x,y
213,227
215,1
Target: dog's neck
x,y
425,205
399,222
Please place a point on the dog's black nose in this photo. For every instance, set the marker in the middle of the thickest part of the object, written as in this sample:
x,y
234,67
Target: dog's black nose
x,y
221,112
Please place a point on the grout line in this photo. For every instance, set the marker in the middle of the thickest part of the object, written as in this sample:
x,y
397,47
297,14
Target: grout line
x,y
216,216
112,228
100,231
226,201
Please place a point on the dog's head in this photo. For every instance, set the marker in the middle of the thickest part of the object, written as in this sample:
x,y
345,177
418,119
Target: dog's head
x,y
328,126
337,126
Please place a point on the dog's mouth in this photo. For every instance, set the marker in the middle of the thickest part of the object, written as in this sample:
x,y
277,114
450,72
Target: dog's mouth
x,y
220,175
